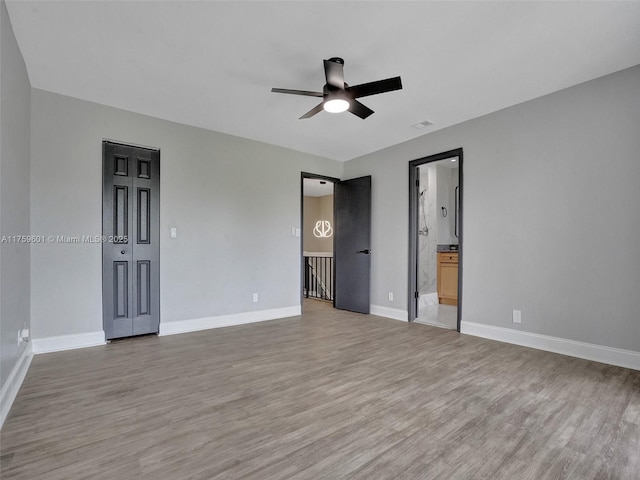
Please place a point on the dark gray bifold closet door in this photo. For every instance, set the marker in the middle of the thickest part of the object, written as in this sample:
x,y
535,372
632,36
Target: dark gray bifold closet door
x,y
352,244
131,247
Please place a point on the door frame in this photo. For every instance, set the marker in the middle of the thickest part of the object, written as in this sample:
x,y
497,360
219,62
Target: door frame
x,y
315,176
413,228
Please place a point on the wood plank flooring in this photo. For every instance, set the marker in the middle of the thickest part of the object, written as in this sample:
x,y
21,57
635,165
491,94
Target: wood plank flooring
x,y
328,395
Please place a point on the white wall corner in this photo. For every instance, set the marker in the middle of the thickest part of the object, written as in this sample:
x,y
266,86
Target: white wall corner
x,y
68,342
14,382
572,348
393,313
196,324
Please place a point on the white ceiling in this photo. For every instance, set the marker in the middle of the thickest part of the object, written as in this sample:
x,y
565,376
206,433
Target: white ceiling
x,y
212,64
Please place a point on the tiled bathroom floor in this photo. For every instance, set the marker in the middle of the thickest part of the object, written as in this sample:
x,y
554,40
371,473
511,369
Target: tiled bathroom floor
x,y
444,316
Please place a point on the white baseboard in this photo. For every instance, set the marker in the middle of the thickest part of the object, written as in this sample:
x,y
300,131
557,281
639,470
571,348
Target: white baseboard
x,y
14,382
68,342
587,351
393,313
195,324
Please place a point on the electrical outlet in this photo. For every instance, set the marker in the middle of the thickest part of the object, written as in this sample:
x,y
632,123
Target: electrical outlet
x,y
517,316
255,298
23,335
391,296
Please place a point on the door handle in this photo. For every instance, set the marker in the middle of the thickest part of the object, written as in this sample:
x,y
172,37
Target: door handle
x,y
366,251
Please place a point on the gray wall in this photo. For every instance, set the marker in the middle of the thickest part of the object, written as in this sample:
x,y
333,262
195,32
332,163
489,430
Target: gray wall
x,y
232,200
15,97
446,183
551,213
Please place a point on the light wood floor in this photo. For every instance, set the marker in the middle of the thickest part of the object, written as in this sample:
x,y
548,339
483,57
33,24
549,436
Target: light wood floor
x,y
329,395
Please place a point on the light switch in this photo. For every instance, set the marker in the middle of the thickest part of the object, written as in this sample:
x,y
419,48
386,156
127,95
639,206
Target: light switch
x,y
174,232
297,232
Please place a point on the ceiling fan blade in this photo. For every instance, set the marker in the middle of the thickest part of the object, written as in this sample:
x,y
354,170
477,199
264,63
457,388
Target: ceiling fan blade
x,y
297,92
373,88
333,71
359,109
313,111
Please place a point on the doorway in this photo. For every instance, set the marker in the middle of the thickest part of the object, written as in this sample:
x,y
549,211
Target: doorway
x,y
131,240
318,228
435,240
346,282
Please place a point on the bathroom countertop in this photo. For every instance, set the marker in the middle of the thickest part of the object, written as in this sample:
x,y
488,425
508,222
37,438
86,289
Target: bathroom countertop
x,y
446,249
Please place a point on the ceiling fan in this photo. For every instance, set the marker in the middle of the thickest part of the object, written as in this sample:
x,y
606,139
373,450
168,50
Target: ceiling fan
x,y
337,96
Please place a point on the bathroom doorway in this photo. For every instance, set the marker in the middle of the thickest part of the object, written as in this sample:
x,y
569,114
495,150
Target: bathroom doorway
x,y
435,239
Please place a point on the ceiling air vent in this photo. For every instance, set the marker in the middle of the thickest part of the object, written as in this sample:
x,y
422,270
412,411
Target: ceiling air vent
x,y
424,124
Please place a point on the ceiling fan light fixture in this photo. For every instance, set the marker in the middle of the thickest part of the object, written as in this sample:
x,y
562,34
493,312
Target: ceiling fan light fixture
x,y
336,105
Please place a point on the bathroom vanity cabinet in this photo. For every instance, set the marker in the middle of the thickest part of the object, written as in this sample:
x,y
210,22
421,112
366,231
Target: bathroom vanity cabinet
x,y
448,278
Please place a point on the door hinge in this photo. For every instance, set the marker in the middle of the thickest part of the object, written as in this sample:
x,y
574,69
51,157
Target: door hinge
x,y
417,182
416,294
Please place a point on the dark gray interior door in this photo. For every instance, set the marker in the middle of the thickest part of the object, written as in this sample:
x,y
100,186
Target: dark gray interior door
x,y
131,240
352,244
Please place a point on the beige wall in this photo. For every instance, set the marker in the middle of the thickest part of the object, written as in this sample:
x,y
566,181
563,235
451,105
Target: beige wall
x,y
317,208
